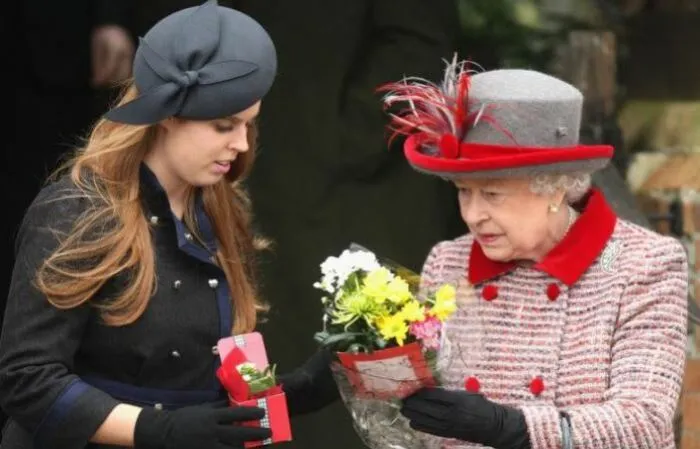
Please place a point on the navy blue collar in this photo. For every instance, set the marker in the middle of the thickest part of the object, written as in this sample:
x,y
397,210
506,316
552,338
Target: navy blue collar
x,y
155,201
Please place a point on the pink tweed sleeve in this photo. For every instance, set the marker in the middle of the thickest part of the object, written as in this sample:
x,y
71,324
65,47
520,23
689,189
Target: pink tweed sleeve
x,y
430,274
648,360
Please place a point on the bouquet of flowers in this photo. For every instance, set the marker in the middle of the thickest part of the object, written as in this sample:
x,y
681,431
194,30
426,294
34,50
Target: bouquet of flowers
x,y
386,335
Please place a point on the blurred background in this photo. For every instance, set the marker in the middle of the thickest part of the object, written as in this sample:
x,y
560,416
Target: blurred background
x,y
325,176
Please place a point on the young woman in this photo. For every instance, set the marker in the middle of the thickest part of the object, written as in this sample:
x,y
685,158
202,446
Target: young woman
x,y
133,264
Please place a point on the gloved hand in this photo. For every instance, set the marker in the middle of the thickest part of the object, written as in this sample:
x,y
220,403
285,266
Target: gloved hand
x,y
211,426
310,387
466,416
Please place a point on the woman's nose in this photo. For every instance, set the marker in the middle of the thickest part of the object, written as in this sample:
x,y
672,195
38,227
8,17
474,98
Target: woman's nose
x,y
239,140
473,211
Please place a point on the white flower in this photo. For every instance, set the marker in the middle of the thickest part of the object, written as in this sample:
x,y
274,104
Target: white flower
x,y
336,270
362,260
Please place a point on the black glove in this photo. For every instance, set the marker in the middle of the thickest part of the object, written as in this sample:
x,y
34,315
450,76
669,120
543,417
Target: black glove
x,y
310,387
210,426
466,416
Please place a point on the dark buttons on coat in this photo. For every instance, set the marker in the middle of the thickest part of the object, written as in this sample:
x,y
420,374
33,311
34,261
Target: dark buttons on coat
x,y
537,386
177,284
472,384
213,283
489,292
553,291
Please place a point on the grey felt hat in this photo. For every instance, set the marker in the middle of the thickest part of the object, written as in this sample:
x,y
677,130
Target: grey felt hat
x,y
499,123
201,63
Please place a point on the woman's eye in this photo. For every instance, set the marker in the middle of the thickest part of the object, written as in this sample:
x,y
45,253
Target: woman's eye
x,y
223,128
493,196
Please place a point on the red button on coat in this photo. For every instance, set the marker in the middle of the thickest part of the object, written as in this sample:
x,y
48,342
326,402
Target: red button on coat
x,y
472,384
490,292
537,386
553,292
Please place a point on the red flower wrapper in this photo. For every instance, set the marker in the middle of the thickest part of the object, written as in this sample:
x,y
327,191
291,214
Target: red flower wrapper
x,y
392,373
248,350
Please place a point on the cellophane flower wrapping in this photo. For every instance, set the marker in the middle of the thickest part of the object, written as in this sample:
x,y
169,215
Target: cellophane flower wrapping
x,y
386,334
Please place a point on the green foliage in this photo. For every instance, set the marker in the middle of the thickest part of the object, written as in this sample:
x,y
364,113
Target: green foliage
x,y
510,33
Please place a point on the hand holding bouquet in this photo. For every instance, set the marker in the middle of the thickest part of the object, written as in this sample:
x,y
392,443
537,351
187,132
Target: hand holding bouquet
x,y
386,334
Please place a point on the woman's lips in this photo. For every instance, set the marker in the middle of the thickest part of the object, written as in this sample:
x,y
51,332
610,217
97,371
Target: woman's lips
x,y
487,238
222,167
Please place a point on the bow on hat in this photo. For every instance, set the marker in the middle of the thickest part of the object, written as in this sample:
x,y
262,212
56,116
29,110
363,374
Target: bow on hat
x,y
196,42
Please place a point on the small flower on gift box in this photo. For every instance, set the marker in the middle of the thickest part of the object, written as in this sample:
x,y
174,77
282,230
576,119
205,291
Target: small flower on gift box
x,y
258,381
242,379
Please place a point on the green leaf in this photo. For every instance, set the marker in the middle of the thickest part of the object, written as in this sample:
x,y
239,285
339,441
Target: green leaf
x,y
340,337
358,348
321,336
260,385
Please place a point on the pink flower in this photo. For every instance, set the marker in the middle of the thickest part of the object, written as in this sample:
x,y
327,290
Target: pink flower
x,y
431,343
428,331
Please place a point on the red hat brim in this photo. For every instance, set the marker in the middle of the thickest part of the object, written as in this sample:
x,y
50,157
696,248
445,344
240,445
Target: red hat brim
x,y
482,158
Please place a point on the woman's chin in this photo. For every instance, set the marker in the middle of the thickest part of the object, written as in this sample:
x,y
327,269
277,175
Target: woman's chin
x,y
497,253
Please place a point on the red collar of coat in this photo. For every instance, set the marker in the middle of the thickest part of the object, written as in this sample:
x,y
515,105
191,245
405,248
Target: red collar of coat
x,y
571,257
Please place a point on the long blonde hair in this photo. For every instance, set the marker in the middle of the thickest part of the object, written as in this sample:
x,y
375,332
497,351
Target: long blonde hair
x,y
112,237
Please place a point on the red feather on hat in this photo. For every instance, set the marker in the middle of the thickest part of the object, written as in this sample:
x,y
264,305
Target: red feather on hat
x,y
440,113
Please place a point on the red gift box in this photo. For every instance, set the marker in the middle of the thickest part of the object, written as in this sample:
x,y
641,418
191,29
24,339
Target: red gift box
x,y
250,348
392,373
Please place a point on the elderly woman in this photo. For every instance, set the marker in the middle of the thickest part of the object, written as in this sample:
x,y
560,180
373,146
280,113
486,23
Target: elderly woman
x,y
571,323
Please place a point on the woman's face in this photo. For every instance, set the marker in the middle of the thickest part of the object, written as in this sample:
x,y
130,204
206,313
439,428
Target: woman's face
x,y
201,152
508,220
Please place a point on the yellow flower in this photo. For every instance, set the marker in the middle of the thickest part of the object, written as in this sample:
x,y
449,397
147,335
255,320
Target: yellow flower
x,y
445,303
353,307
398,291
412,311
445,293
393,327
376,284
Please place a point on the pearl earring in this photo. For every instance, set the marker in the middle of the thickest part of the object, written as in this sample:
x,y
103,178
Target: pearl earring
x,y
554,208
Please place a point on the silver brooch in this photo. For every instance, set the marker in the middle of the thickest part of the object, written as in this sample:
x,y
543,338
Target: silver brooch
x,y
610,253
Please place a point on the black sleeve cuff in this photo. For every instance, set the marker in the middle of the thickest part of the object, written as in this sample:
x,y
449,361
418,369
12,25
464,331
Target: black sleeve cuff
x,y
74,417
310,387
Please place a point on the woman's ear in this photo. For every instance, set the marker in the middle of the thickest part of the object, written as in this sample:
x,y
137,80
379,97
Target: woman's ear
x,y
559,197
557,200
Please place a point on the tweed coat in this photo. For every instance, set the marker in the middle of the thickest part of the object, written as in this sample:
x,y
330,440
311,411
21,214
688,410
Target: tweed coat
x,y
596,330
